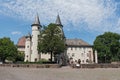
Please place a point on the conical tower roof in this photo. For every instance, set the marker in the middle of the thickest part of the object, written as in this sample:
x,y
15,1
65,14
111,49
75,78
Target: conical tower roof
x,y
58,21
37,21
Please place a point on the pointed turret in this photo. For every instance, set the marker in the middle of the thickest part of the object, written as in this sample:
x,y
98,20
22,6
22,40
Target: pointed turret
x,y
37,21
59,24
28,35
58,21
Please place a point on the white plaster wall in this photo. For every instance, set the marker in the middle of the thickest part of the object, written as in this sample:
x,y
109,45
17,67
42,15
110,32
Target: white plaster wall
x,y
27,50
79,53
21,49
35,33
45,56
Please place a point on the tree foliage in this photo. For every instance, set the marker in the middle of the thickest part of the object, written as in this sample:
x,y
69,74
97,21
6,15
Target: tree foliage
x,y
108,47
7,50
51,40
20,56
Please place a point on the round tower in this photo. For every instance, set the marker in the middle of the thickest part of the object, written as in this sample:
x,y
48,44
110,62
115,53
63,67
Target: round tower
x,y
35,33
28,48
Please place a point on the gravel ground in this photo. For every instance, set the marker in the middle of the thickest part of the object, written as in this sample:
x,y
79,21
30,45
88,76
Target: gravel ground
x,y
66,73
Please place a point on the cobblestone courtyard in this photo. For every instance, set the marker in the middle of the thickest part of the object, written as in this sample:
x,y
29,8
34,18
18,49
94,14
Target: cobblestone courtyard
x,y
7,73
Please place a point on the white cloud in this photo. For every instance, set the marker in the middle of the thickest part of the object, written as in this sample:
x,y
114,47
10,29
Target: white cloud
x,y
96,14
15,33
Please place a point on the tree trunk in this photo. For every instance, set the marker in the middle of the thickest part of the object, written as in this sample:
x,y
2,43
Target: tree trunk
x,y
3,60
51,56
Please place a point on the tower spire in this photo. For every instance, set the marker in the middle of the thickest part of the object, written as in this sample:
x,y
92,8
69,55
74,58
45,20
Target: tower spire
x,y
58,21
37,21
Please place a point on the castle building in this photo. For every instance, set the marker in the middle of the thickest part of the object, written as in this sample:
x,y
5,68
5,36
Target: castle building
x,y
77,49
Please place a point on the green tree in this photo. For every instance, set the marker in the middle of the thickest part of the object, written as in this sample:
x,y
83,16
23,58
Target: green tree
x,y
7,50
51,40
108,47
20,56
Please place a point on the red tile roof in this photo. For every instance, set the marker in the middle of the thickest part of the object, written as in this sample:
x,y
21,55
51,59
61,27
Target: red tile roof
x,y
21,42
69,42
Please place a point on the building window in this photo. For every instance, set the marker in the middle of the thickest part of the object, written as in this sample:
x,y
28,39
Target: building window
x,y
82,54
35,59
27,46
88,55
89,51
83,61
84,49
80,49
75,48
73,54
87,60
71,48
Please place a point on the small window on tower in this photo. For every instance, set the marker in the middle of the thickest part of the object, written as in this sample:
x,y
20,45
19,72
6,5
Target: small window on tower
x,y
38,27
38,35
27,46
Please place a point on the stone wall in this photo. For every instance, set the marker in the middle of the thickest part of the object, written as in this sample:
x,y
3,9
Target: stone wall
x,y
31,65
100,66
58,66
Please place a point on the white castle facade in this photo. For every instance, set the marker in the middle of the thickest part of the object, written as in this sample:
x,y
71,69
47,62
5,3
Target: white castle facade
x,y
76,48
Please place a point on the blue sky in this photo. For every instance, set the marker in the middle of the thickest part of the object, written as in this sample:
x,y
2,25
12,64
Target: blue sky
x,y
84,19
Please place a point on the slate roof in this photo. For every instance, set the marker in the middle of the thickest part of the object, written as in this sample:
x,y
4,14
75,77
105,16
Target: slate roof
x,y
58,21
37,21
76,42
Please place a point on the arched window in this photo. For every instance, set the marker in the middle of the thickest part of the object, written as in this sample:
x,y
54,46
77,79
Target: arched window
x,y
87,60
